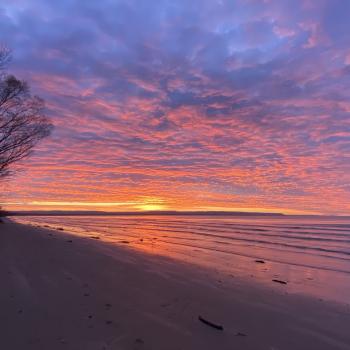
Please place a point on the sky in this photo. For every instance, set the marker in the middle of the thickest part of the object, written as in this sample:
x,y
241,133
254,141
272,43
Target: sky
x,y
185,105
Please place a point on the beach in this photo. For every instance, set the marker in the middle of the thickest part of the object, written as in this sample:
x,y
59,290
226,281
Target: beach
x,y
65,291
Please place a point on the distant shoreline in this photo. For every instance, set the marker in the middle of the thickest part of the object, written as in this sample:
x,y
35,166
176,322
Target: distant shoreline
x,y
137,213
164,213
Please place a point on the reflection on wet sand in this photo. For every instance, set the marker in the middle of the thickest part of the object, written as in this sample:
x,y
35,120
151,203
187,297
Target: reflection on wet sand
x,y
312,255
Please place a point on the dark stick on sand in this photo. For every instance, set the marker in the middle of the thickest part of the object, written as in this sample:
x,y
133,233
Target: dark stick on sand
x,y
279,281
211,324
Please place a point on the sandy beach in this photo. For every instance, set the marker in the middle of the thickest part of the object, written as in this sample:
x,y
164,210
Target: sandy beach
x,y
61,291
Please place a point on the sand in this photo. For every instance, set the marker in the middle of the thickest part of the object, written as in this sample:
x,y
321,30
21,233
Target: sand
x,y
60,291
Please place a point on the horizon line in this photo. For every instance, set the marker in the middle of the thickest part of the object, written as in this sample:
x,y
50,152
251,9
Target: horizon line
x,y
156,212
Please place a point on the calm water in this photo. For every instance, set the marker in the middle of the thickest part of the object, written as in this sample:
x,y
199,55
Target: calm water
x,y
311,253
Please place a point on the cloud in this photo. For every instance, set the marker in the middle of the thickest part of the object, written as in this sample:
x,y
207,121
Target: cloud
x,y
201,103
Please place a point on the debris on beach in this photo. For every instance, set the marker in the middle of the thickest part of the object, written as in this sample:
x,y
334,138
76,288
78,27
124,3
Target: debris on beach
x,y
211,324
279,281
260,261
125,242
95,237
60,229
240,334
63,340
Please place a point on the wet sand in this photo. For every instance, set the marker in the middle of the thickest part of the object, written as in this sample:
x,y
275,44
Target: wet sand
x,y
306,252
60,291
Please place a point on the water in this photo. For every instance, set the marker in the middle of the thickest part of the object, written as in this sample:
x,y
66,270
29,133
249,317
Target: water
x,y
312,254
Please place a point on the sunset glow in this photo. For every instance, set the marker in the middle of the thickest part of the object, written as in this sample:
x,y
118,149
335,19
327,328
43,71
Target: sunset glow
x,y
243,105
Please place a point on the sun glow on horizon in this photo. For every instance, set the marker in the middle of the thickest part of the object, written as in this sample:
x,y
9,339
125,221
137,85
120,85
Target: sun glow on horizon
x,y
150,207
147,204
142,204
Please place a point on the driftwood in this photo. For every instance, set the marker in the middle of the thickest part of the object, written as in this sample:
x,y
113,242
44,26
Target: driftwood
x,y
279,281
211,324
260,261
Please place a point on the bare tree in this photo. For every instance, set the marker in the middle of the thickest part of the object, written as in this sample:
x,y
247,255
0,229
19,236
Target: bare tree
x,y
2,213
22,119
5,56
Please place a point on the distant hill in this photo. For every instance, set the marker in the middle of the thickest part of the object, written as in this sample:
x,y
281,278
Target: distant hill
x,y
138,213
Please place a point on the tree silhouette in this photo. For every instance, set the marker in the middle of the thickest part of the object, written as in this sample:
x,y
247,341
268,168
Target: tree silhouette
x,y
22,119
2,213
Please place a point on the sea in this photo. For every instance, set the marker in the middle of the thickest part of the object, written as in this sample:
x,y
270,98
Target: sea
x,y
311,254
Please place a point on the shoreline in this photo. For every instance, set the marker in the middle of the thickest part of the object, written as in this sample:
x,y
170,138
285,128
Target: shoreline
x,y
305,277
65,291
